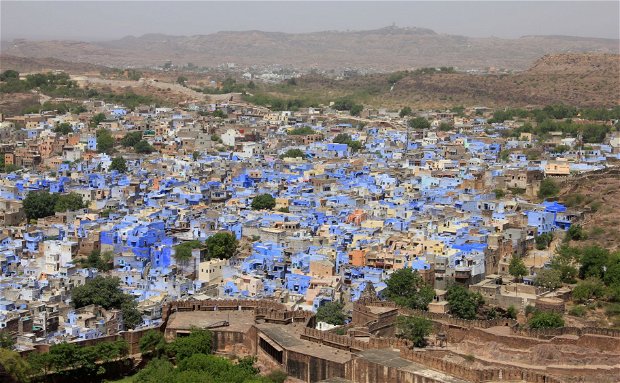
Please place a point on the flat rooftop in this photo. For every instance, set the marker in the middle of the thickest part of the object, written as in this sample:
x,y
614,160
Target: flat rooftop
x,y
240,321
381,310
289,337
392,359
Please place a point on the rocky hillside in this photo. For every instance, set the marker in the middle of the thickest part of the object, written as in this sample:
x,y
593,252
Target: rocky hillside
x,y
385,49
588,80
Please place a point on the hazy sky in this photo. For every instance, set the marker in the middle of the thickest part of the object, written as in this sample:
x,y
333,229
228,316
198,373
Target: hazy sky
x,y
101,20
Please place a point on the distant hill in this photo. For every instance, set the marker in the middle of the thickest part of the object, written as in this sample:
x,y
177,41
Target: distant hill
x,y
587,80
384,49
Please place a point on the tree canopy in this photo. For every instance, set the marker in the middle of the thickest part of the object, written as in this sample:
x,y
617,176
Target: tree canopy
x,y
70,360
548,188
294,153
41,203
152,342
106,292
183,251
419,123
96,260
263,201
332,313
406,288
344,138
119,164
415,329
222,245
406,111
462,302
105,141
63,128
131,139
12,364
517,268
144,147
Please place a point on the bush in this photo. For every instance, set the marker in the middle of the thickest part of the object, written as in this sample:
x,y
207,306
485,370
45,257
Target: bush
x,y
511,312
302,131
577,311
575,233
548,188
543,240
544,319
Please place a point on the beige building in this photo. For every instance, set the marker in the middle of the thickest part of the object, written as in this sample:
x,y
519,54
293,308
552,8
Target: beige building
x,y
211,271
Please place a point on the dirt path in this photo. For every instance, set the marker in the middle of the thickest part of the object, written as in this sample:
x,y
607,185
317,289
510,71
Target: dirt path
x,y
143,83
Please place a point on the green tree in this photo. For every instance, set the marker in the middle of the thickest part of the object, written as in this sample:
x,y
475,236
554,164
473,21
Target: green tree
x,y
414,329
14,366
544,319
588,289
144,147
594,261
183,251
462,302
219,113
332,313
181,80
119,164
344,138
6,341
549,278
199,341
222,245
105,141
131,139
63,128
406,111
195,155
575,233
152,342
548,188
419,123
564,261
97,119
263,201
69,202
517,268
406,288
356,109
9,74
543,240
444,127
294,153
301,131
156,371
102,262
39,204
511,312
106,292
